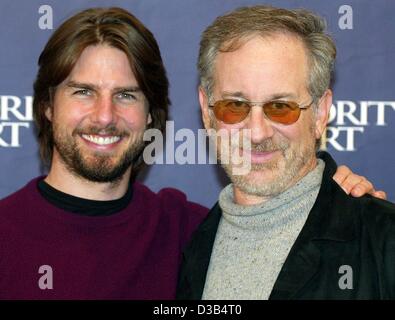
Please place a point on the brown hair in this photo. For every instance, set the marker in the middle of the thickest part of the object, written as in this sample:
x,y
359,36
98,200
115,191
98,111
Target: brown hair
x,y
228,31
111,26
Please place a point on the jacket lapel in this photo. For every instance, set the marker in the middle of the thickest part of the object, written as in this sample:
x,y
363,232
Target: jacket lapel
x,y
326,222
298,269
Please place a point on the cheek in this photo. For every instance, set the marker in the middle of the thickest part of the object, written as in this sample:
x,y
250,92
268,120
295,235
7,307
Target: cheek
x,y
135,119
69,113
300,134
65,119
292,134
300,131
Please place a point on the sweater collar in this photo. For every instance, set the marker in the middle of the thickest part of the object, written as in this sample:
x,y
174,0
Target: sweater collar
x,y
278,213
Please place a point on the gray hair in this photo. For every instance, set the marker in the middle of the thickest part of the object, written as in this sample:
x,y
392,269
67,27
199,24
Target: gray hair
x,y
228,31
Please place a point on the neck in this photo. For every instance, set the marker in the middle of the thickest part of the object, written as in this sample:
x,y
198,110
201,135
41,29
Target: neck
x,y
60,178
244,199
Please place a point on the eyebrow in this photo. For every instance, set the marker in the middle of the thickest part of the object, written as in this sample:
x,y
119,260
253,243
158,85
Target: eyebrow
x,y
275,96
91,86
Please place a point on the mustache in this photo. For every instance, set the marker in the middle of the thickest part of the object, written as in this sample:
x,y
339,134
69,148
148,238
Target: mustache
x,y
267,145
94,130
241,140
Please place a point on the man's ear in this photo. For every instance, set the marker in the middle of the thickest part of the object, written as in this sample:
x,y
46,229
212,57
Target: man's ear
x,y
322,113
203,100
48,113
149,118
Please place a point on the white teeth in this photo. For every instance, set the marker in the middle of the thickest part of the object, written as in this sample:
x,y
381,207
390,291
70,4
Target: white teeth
x,y
100,140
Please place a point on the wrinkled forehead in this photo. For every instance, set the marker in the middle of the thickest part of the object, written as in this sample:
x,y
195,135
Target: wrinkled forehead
x,y
261,65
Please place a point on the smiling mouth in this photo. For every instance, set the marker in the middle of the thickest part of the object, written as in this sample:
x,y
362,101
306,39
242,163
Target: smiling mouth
x,y
260,156
100,140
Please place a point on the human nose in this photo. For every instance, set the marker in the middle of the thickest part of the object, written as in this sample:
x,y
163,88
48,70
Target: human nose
x,y
260,126
104,111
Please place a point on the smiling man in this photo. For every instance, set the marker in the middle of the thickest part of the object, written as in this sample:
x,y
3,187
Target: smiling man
x,y
280,153
98,117
87,230
284,229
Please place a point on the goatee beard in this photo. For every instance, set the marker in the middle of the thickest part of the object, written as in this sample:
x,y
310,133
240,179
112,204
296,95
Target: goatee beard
x,y
97,166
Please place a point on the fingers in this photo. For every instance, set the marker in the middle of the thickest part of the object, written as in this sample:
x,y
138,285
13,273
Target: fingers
x,y
341,174
360,188
356,185
352,183
380,194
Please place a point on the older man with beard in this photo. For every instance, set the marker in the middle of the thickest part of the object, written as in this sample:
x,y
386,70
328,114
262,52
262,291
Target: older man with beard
x,y
283,229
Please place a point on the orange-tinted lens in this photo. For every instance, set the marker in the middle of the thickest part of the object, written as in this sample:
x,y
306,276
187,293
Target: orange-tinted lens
x,y
233,111
282,112
230,111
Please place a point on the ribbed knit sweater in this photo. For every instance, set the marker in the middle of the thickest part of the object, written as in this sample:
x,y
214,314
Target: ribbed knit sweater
x,y
253,242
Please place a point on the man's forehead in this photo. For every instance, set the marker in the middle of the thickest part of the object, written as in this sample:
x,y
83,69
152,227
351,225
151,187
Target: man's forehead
x,y
272,96
274,64
265,51
102,53
102,66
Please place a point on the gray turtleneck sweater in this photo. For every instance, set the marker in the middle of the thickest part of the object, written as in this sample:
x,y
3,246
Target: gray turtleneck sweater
x,y
252,243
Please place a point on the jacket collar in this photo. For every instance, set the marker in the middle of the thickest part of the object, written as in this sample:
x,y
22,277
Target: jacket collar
x,y
330,218
325,222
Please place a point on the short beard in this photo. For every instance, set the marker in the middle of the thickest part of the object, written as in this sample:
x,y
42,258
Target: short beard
x,y
285,172
100,168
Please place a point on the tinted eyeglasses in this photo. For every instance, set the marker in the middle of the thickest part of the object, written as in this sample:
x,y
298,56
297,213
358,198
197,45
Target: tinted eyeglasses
x,y
234,111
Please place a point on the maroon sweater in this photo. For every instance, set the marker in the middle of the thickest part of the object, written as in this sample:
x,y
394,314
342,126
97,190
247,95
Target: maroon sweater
x,y
133,254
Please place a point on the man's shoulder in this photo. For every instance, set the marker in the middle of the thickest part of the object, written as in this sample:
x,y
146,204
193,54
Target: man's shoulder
x,y
21,196
377,211
14,208
173,207
370,217
344,213
169,199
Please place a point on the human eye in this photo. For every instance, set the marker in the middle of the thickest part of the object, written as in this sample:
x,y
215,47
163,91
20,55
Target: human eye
x,y
280,105
82,92
238,103
127,98
235,104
